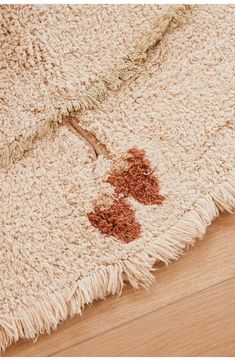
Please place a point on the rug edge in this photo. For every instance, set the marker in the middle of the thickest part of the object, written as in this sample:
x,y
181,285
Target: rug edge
x,y
44,316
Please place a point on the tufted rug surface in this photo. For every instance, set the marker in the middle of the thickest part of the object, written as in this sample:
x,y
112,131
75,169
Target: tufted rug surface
x,y
117,149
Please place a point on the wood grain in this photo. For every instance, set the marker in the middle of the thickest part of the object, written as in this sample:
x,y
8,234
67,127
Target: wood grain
x,y
189,311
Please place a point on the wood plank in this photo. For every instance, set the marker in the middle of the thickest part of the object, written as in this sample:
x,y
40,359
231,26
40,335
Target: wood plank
x,y
210,262
199,324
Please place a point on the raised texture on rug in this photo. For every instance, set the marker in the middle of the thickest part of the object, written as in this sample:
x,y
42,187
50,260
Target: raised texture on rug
x,y
130,177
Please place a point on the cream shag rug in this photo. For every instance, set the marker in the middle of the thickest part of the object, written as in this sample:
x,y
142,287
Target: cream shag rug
x,y
116,149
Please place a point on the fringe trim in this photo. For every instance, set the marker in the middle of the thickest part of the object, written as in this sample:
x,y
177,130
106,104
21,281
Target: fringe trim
x,y
45,315
14,151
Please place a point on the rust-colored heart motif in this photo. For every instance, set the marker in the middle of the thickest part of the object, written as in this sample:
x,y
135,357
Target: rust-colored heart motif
x,y
134,178
118,220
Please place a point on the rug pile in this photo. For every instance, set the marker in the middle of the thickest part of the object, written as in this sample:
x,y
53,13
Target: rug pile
x,y
116,149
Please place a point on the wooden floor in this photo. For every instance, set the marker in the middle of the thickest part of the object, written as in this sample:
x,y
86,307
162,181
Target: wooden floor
x,y
190,311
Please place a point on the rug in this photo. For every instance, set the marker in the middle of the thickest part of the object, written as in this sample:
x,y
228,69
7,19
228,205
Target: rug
x,y
116,149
